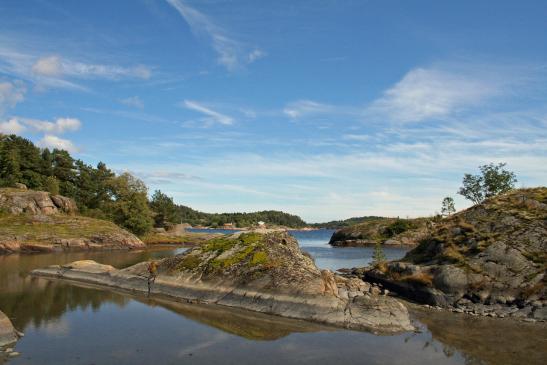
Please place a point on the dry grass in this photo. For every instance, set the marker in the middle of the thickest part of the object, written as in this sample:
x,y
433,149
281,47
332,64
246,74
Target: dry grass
x,y
421,278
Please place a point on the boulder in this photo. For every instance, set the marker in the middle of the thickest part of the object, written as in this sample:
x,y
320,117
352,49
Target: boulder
x,y
20,186
35,202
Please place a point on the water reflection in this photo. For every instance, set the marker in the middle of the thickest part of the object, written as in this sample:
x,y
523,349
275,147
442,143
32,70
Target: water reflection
x,y
71,324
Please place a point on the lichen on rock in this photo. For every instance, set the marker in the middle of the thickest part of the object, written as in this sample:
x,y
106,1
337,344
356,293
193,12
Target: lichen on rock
x,y
262,272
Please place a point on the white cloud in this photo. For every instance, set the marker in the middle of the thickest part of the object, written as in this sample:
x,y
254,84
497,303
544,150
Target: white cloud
x,y
52,142
12,126
255,55
11,93
133,101
61,125
212,115
48,66
232,54
429,93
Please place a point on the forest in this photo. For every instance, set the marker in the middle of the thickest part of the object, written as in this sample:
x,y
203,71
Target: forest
x,y
101,193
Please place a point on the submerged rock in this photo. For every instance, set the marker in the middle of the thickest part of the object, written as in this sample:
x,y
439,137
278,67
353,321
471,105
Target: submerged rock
x,y
8,334
259,272
483,260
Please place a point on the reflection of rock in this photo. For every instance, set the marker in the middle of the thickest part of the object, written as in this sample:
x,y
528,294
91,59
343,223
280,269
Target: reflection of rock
x,y
243,323
7,332
489,259
260,272
486,340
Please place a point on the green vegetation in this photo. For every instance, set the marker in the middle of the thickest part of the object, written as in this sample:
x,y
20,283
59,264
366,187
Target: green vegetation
x,y
378,257
56,226
494,180
247,249
345,223
397,227
100,193
168,213
448,207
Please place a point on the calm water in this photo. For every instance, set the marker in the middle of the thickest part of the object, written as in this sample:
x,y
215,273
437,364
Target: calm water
x,y
70,324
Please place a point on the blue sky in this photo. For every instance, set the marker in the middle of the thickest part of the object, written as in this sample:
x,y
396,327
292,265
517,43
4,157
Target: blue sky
x,y
325,109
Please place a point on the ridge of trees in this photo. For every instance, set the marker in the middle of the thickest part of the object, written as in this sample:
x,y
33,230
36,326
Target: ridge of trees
x,y
101,193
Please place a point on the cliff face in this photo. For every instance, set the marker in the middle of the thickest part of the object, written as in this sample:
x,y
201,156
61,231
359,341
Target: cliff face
x,y
35,221
18,201
388,231
490,258
262,272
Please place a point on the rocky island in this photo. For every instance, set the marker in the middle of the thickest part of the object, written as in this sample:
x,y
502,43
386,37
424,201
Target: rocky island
x,y
37,221
385,231
263,272
490,259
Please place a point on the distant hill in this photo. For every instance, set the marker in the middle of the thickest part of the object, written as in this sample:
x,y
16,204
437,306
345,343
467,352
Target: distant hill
x,y
270,217
344,223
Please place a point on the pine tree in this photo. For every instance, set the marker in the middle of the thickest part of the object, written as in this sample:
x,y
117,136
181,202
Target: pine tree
x,y
378,256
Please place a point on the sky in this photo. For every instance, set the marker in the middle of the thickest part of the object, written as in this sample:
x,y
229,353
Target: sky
x,y
327,109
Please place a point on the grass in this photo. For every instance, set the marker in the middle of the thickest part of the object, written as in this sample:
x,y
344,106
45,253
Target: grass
x,y
420,278
57,225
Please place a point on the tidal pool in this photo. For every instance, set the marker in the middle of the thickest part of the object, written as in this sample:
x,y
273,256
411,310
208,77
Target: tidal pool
x,y
74,324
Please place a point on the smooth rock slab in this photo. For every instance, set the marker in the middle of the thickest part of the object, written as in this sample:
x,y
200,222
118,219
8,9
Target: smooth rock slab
x,y
380,314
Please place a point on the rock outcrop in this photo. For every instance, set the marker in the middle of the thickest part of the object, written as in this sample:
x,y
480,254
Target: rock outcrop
x,y
8,334
386,231
18,201
490,259
35,221
259,272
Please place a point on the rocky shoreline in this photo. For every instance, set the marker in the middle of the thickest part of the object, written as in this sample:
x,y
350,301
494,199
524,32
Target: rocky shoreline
x,y
261,272
384,231
488,260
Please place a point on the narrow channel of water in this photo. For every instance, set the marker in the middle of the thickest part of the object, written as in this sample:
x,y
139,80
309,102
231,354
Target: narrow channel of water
x,y
70,324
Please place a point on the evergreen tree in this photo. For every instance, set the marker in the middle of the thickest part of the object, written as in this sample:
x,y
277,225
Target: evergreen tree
x,y
378,256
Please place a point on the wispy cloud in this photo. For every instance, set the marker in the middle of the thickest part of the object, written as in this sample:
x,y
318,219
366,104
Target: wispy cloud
x,y
55,71
211,115
11,93
133,101
301,109
423,94
55,66
232,53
